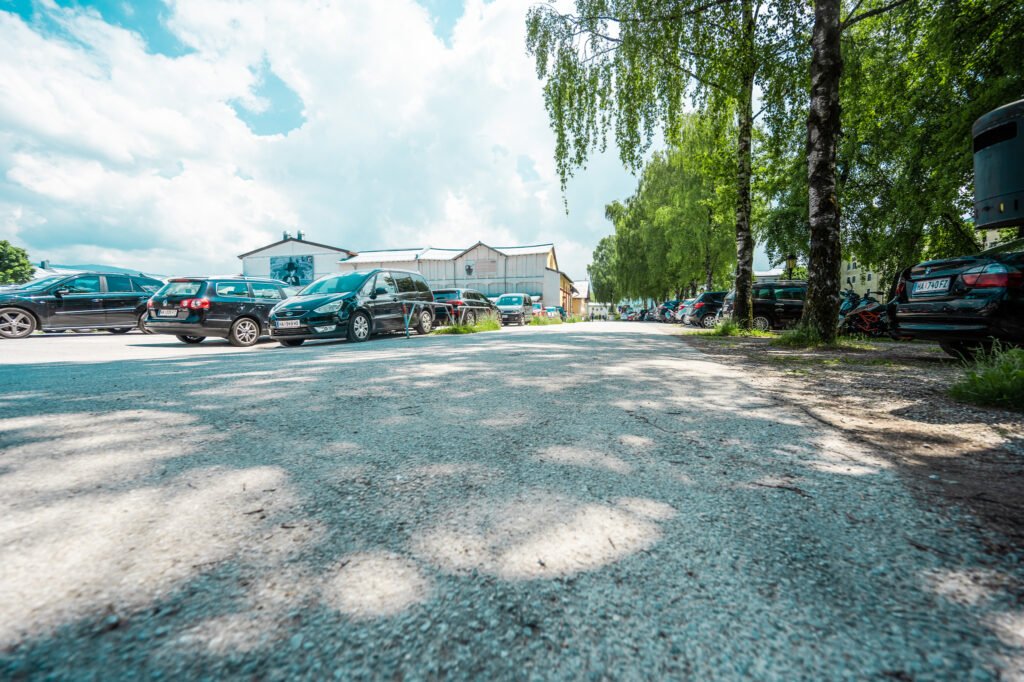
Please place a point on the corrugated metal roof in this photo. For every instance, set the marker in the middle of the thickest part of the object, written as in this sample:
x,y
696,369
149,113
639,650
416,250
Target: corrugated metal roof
x,y
524,250
384,256
440,254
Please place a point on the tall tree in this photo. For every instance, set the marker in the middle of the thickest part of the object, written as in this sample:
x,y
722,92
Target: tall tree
x,y
15,267
628,65
602,272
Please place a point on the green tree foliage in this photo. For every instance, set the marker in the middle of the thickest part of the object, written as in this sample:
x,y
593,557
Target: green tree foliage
x,y
15,267
602,272
675,233
915,82
627,66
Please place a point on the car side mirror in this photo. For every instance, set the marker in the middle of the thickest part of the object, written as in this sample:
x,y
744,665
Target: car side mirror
x,y
380,291
60,292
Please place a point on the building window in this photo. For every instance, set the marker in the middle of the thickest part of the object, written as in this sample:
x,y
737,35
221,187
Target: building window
x,y
869,276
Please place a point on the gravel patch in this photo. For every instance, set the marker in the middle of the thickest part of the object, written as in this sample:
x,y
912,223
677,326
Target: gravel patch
x,y
591,501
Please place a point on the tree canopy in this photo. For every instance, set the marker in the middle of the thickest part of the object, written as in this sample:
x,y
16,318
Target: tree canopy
x,y
15,267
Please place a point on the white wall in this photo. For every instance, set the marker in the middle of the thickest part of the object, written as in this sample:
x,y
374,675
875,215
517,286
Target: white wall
x,y
325,261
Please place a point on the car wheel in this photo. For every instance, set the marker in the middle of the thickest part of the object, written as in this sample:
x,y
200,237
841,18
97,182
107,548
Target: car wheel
x,y
244,332
16,323
291,343
359,327
762,323
966,350
708,322
470,318
142,325
120,330
425,323
191,339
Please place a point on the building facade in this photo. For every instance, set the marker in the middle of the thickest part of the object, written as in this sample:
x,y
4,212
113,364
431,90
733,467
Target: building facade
x,y
293,260
861,279
491,270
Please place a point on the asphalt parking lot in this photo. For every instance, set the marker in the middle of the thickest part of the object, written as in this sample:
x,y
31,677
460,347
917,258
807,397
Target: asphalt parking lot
x,y
587,501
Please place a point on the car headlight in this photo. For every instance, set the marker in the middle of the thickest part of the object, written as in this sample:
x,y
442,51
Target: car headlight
x,y
329,307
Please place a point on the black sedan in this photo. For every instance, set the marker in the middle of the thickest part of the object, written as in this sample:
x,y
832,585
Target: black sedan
x,y
964,303
113,302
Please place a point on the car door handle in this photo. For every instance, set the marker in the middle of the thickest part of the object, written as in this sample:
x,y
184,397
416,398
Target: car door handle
x,y
97,300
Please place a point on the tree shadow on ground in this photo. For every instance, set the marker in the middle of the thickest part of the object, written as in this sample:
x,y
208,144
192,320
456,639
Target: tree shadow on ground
x,y
566,504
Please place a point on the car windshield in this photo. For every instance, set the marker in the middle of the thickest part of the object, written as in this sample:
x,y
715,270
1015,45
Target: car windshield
x,y
41,283
336,284
510,300
1015,246
181,288
446,295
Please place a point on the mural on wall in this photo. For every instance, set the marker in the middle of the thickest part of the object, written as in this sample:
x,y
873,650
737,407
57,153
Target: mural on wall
x,y
293,270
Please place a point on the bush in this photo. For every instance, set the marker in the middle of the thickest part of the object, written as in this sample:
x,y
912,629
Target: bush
x,y
481,326
996,379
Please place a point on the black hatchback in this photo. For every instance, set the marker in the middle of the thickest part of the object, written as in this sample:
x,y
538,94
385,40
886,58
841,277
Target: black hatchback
x,y
114,302
355,305
965,302
234,308
703,311
776,304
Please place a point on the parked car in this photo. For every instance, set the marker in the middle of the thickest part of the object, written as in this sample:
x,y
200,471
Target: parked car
x,y
354,305
555,311
234,308
963,303
680,310
113,302
776,304
517,308
469,306
703,310
666,310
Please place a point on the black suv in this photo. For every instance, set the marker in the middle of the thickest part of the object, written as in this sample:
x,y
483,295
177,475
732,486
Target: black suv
x,y
235,308
963,303
86,300
468,306
354,305
776,304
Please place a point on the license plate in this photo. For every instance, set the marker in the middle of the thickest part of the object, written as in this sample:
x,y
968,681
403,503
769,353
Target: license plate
x,y
167,313
931,286
288,324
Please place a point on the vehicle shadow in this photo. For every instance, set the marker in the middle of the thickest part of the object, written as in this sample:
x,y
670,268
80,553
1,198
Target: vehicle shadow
x,y
575,503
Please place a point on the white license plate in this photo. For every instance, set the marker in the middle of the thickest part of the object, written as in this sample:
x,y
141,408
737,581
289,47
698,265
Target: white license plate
x,y
288,324
931,286
167,313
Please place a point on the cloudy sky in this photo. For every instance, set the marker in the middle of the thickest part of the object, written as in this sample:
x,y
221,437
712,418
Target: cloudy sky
x,y
171,136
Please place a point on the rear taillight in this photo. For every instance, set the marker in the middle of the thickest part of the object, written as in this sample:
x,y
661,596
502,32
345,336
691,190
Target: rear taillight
x,y
195,303
698,305
994,275
900,288
150,303
456,302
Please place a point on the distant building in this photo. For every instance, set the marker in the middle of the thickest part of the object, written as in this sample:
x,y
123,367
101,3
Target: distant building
x,y
581,299
492,270
855,276
293,260
766,276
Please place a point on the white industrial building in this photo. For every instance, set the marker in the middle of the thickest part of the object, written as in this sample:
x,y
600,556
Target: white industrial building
x,y
308,258
491,270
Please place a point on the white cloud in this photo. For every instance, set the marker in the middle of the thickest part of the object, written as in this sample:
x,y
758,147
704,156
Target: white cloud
x,y
109,153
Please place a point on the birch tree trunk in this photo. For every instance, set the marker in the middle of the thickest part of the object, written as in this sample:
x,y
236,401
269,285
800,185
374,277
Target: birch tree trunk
x,y
823,125
743,311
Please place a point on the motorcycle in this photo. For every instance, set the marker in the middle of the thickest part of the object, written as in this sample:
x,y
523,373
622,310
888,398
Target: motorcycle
x,y
867,316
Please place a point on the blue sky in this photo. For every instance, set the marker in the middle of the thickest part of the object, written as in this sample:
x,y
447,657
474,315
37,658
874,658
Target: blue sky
x,y
172,136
